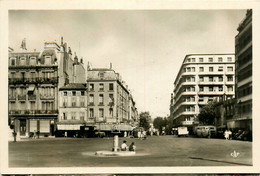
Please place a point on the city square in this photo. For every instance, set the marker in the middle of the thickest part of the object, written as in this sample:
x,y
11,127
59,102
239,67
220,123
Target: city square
x,y
154,151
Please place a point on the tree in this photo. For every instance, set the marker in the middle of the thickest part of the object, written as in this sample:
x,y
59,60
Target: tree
x,y
207,114
145,120
159,123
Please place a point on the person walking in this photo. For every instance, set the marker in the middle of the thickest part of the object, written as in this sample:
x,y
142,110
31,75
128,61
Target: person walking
x,y
226,135
14,134
34,134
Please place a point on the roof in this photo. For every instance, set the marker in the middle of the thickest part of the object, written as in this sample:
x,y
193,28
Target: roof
x,y
74,86
108,74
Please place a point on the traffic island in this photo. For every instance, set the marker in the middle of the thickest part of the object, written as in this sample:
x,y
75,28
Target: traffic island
x,y
112,153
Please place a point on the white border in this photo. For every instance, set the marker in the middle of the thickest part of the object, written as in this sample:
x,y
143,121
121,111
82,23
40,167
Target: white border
x,y
127,5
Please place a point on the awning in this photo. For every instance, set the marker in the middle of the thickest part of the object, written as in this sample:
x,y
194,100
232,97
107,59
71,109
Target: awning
x,y
31,88
69,126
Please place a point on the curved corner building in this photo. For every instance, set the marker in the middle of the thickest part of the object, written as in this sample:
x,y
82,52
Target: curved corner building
x,y
201,79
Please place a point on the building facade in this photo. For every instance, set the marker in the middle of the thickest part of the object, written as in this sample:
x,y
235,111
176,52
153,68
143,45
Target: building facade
x,y
243,44
201,78
34,82
109,101
72,109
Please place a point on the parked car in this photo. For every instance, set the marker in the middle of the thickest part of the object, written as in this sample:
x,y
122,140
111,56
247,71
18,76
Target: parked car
x,y
205,131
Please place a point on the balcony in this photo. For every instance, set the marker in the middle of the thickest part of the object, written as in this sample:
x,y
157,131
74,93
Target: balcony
x,y
91,104
22,97
33,80
48,80
47,97
31,97
12,97
32,112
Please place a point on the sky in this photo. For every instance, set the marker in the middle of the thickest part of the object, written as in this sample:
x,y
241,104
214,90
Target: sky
x,y
146,47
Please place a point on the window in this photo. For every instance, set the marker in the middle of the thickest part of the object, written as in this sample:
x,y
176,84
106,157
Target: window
x,y
13,61
101,112
220,78
192,89
73,104
82,93
220,89
91,87
111,86
111,98
47,60
32,105
220,68
188,69
91,112
211,89
211,69
74,93
201,69
22,61
211,79
65,102
101,75
211,59
82,116
111,112
91,98
73,116
201,59
220,59
64,116
230,88
229,59
32,60
201,89
229,68
188,60
193,99
193,69
229,78
193,59
65,93
201,78
101,99
201,99
101,86
82,102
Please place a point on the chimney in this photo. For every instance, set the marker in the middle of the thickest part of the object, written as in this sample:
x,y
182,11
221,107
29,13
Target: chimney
x,y
75,59
81,60
110,65
61,41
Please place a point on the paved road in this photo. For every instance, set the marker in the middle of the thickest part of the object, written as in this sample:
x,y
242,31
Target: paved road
x,y
155,151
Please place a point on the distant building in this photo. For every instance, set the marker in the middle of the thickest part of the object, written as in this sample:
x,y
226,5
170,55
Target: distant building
x,y
202,78
72,109
243,42
109,101
34,82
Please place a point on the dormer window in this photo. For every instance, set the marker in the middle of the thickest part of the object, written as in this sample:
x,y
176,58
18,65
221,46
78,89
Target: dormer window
x,y
13,61
47,60
32,60
101,75
22,61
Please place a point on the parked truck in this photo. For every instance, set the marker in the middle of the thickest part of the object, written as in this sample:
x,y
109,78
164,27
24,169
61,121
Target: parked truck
x,y
183,131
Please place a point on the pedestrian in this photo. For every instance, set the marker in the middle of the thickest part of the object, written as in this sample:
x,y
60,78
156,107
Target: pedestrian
x,y
124,146
14,134
229,134
139,134
34,134
226,134
125,134
132,147
38,134
144,134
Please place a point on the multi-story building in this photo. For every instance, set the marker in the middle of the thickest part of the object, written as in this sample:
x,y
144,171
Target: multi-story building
x,y
243,42
72,109
34,82
201,78
109,100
